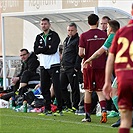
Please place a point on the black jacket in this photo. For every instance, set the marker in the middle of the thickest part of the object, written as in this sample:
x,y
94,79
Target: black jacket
x,y
70,58
31,64
50,46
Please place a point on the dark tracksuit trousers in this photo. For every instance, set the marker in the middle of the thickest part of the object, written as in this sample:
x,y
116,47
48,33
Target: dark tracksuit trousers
x,y
70,76
46,76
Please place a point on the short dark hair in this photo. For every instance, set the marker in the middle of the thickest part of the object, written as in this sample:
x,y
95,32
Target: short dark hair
x,y
93,19
106,17
45,19
24,49
115,25
73,24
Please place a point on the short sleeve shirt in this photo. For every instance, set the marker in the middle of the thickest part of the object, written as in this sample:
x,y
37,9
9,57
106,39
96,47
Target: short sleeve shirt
x,y
122,48
91,41
108,41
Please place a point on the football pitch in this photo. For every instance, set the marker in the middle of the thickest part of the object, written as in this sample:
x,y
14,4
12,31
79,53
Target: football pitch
x,y
19,122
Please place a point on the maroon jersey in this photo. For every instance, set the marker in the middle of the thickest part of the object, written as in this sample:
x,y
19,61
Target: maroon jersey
x,y
92,40
122,48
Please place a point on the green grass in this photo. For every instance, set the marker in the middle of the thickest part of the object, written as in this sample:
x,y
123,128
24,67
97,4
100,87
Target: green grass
x,y
18,122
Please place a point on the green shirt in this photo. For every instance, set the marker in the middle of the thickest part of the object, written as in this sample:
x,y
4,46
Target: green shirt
x,y
45,36
108,41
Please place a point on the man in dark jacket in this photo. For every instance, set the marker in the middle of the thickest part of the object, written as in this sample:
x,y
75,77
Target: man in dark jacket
x,y
28,70
46,46
71,65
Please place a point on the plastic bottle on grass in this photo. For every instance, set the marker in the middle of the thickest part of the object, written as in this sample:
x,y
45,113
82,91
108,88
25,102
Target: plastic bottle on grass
x,y
10,103
24,106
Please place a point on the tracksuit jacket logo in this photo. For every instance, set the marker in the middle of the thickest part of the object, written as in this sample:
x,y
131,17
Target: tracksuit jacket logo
x,y
57,71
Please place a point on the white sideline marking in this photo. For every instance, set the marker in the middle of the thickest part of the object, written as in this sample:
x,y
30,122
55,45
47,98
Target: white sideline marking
x,y
44,118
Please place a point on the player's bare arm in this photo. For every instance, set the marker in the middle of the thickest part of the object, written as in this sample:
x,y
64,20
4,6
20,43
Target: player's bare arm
x,y
108,71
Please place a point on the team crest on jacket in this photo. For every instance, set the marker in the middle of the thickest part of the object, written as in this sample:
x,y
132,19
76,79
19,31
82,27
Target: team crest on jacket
x,y
49,38
95,36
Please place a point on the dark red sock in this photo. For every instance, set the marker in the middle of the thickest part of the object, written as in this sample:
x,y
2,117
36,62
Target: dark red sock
x,y
103,104
87,107
124,130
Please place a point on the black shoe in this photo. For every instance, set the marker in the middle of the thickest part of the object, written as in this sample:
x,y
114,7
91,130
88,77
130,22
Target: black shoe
x,y
87,118
48,113
132,122
116,124
58,113
80,112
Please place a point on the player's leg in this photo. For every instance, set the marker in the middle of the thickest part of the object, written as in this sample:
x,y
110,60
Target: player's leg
x,y
99,80
126,121
87,96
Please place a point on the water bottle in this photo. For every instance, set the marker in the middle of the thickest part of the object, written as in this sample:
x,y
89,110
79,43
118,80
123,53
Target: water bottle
x,y
10,103
98,110
24,106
